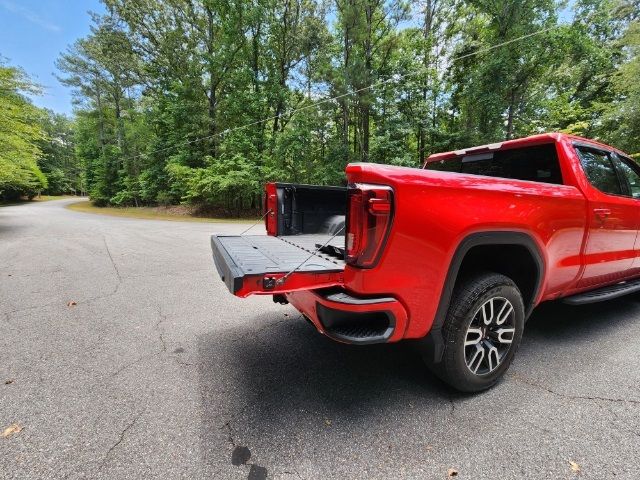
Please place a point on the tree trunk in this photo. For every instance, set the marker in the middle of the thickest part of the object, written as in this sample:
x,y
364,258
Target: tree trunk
x,y
365,110
213,85
101,135
427,61
344,101
119,123
510,114
365,133
213,112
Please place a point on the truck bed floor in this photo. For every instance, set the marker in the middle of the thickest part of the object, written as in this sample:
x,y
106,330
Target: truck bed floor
x,y
258,254
311,242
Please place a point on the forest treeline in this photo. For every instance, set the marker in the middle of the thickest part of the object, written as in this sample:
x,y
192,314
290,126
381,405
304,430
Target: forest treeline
x,y
36,147
164,89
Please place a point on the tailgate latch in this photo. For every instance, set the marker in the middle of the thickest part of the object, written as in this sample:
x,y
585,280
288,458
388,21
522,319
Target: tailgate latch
x,y
268,283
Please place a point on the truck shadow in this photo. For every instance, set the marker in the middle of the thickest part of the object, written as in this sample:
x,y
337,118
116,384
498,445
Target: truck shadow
x,y
285,383
559,324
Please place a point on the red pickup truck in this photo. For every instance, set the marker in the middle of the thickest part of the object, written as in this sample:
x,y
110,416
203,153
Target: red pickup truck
x,y
456,254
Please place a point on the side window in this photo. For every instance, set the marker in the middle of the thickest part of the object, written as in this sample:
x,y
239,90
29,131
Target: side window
x,y
629,171
599,170
451,165
537,163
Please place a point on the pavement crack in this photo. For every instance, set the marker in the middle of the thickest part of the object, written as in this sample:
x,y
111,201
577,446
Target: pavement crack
x,y
117,274
521,379
113,263
179,361
102,297
160,329
163,345
120,439
227,426
453,405
292,472
131,364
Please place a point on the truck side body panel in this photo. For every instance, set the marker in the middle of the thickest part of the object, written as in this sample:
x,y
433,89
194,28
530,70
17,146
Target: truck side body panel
x,y
436,211
611,246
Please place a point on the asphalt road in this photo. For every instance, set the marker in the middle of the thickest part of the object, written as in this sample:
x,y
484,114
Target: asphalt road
x,y
159,372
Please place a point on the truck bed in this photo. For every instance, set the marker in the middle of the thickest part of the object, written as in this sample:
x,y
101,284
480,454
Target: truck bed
x,y
332,251
239,257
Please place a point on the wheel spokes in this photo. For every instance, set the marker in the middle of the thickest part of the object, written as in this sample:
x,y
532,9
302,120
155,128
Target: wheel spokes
x,y
487,317
505,335
504,313
494,358
476,359
474,335
489,335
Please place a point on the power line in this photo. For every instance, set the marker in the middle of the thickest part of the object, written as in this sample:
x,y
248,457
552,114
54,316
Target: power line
x,y
392,78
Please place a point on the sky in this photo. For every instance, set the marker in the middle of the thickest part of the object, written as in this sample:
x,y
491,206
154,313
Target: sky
x,y
34,32
32,35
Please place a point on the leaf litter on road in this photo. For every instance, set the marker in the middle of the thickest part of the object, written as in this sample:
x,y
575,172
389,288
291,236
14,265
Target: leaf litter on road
x,y
11,430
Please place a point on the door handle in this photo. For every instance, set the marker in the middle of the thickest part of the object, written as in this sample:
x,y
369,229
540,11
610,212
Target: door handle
x,y
602,213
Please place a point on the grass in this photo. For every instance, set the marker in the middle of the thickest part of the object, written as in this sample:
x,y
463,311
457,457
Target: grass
x,y
48,198
150,213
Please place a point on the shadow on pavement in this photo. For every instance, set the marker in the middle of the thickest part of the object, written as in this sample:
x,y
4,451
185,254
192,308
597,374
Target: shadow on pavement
x,y
286,383
9,228
559,323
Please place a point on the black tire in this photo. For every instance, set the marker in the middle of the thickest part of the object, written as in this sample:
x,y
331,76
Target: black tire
x,y
475,293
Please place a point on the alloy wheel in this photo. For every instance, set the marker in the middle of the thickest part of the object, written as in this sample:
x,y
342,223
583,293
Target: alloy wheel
x,y
489,336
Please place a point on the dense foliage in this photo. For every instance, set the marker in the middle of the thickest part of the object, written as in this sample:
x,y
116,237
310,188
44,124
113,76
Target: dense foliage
x,y
36,146
165,88
20,133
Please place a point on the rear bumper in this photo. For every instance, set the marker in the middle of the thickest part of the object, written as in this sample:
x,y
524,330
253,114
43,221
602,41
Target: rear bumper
x,y
347,318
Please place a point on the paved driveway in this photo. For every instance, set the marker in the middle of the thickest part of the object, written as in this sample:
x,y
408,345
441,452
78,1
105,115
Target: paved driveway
x,y
158,372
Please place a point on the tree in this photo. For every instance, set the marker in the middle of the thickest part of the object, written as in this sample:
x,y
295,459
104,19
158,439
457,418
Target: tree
x,y
623,115
202,101
20,134
58,159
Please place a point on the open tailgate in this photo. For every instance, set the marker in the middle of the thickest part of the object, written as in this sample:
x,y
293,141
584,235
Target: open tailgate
x,y
262,264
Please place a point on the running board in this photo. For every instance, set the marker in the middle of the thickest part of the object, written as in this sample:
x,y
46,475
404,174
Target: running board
x,y
605,293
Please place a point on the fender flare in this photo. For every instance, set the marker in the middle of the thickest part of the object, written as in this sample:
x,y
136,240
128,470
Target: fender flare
x,y
434,341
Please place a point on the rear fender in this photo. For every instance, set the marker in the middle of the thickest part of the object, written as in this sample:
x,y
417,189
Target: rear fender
x,y
433,343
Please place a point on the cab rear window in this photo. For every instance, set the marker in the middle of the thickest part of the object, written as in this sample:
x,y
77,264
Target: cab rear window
x,y
536,164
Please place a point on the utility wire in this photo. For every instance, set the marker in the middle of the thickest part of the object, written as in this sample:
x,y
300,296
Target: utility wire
x,y
392,78
257,222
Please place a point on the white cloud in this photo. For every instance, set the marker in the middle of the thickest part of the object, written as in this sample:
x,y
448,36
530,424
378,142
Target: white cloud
x,y
29,15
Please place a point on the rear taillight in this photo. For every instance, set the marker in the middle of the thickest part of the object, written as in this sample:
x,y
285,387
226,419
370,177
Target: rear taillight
x,y
271,209
369,215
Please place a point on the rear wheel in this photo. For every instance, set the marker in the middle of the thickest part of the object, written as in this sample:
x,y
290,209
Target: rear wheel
x,y
482,332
